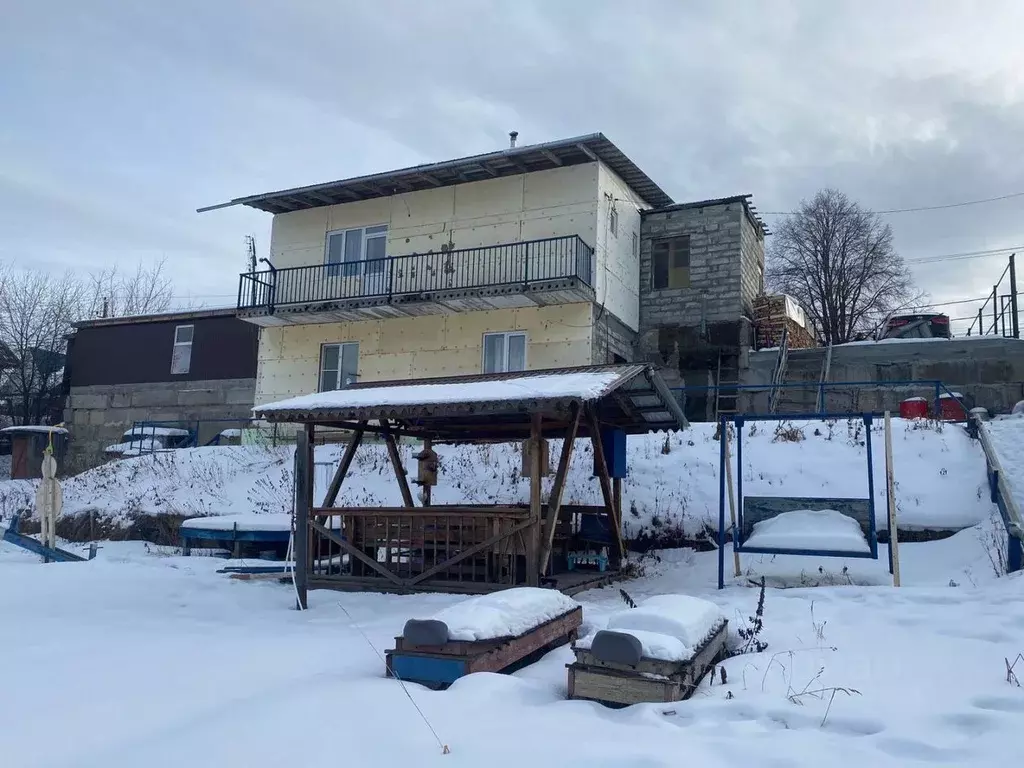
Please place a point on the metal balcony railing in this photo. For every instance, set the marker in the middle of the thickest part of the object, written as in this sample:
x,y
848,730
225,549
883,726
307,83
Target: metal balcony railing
x,y
524,264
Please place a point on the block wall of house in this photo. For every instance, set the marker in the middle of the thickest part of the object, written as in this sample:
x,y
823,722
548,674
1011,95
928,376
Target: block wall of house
x,y
531,206
421,347
723,266
98,415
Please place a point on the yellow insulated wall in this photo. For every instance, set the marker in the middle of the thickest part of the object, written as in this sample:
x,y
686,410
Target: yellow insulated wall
x,y
421,347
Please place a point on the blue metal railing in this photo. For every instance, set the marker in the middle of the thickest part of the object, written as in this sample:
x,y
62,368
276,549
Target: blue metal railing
x,y
492,266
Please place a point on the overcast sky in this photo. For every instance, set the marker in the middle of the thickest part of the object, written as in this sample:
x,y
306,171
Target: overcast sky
x,y
119,119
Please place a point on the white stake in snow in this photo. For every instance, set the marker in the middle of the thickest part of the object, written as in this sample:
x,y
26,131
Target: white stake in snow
x,y
49,500
732,501
891,498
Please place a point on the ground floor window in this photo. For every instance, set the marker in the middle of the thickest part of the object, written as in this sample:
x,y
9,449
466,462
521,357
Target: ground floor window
x,y
339,364
505,351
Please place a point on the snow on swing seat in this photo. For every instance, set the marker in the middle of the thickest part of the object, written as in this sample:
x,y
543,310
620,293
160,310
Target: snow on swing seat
x,y
809,529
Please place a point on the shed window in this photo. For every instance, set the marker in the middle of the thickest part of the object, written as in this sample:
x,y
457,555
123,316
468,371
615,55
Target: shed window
x,y
504,352
339,365
181,354
671,261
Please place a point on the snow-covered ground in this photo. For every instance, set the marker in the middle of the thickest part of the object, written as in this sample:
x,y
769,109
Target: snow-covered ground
x,y
138,659
940,475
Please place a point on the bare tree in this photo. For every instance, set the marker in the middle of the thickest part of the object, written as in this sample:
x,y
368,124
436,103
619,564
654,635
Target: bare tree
x,y
112,293
838,260
36,314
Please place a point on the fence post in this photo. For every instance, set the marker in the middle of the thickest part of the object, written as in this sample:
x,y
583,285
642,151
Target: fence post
x,y
995,309
1014,320
938,400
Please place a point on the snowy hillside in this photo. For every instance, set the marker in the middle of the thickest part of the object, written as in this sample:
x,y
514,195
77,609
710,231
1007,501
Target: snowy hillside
x,y
672,487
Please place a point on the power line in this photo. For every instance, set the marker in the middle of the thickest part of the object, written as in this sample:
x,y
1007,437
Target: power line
x,y
912,210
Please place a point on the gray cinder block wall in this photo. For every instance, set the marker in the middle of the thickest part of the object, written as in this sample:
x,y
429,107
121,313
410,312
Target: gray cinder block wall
x,y
98,415
726,263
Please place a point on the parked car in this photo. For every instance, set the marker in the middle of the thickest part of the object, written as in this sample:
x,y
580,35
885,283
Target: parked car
x,y
917,326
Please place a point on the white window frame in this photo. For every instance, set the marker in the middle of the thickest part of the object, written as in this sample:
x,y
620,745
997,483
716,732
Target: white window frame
x,y
341,357
179,348
367,233
506,335
613,219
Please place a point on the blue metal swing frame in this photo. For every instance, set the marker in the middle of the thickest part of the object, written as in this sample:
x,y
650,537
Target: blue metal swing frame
x,y
737,533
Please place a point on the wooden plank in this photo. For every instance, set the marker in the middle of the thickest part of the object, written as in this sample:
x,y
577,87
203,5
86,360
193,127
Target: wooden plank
x,y
558,631
603,476
346,461
533,539
303,502
555,499
890,480
357,553
396,462
473,550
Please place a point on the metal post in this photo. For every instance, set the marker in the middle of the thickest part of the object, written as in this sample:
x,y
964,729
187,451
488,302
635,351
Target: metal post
x,y
938,400
872,526
1014,318
303,496
981,324
995,309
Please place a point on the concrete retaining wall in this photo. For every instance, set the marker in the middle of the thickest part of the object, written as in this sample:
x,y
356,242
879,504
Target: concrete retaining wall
x,y
989,371
98,415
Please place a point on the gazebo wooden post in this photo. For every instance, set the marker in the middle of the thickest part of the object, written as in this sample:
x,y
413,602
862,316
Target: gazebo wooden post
x,y
601,465
343,466
555,499
396,462
533,565
303,503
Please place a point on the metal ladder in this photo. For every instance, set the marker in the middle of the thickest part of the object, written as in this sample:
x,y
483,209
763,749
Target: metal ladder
x,y
726,393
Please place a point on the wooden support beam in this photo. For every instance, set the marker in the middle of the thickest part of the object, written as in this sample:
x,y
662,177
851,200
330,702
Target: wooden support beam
x,y
601,465
343,466
555,500
430,179
551,156
357,553
586,151
396,462
533,539
303,503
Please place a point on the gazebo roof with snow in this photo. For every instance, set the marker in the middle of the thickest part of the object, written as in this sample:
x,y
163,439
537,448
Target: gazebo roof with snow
x,y
501,406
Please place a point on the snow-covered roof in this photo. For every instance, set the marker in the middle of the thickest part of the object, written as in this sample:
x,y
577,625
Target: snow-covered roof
x,y
35,428
643,402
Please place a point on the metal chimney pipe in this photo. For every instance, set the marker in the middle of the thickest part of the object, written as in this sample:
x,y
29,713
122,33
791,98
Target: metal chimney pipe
x,y
512,136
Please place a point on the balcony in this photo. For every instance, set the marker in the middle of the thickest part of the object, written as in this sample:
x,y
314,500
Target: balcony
x,y
557,270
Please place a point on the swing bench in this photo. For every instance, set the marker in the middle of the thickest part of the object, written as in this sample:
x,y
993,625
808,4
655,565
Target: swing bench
x,y
791,525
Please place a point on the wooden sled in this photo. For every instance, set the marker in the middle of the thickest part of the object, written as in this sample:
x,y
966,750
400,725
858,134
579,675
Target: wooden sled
x,y
613,672
423,654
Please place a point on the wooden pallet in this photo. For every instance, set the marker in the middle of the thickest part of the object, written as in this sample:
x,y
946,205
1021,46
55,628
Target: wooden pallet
x,y
619,685
438,666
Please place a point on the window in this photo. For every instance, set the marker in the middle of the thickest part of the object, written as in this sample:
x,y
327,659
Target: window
x,y
181,354
504,352
360,250
671,263
339,365
613,219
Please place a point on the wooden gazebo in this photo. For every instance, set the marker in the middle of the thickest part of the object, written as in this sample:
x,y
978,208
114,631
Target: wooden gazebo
x,y
472,548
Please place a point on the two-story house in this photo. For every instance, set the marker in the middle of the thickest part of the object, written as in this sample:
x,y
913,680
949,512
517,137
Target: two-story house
x,y
537,256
